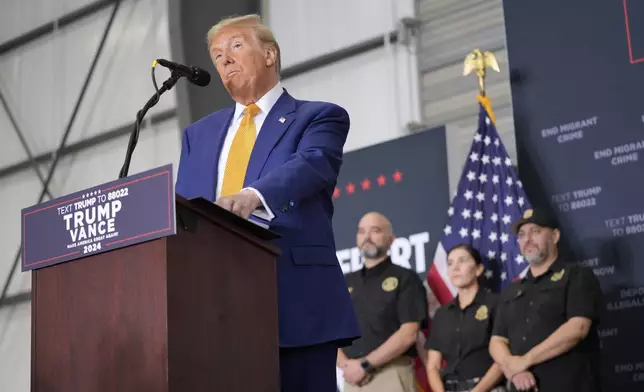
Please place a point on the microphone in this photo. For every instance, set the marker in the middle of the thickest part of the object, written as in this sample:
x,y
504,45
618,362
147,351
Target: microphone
x,y
195,75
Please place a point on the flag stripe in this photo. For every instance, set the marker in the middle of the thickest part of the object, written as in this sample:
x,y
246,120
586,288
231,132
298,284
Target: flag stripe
x,y
438,287
438,279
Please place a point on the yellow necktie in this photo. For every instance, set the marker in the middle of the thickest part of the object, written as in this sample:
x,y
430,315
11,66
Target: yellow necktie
x,y
240,151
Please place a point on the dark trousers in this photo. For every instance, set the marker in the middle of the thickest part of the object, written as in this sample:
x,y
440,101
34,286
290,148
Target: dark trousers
x,y
309,369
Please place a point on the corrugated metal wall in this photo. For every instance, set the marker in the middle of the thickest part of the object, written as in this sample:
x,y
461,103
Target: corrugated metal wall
x,y
449,31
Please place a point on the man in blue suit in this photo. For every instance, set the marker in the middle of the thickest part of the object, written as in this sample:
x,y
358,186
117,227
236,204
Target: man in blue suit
x,y
277,158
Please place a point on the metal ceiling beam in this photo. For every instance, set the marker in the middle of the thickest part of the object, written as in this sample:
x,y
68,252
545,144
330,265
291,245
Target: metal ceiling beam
x,y
338,55
87,143
48,28
17,299
23,141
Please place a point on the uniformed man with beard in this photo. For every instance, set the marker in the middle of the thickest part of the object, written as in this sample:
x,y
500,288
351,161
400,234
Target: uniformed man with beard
x,y
391,305
545,333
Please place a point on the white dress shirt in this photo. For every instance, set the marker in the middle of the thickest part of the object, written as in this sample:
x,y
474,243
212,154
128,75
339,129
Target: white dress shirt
x,y
265,103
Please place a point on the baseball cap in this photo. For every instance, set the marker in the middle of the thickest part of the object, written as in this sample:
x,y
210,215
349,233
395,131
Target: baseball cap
x,y
538,216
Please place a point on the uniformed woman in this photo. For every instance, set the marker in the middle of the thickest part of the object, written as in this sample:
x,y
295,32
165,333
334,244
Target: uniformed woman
x,y
461,329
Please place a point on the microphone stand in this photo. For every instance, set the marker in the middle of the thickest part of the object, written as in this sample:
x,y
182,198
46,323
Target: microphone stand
x,y
134,136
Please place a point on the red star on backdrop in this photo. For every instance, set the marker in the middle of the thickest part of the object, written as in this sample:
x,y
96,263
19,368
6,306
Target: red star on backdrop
x,y
366,184
397,176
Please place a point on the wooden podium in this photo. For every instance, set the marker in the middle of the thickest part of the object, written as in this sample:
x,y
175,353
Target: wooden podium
x,y
195,311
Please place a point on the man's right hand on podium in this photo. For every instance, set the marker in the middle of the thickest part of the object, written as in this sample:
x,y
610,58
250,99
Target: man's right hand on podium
x,y
241,204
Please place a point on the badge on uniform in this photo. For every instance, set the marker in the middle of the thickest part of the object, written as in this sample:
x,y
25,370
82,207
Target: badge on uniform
x,y
557,275
481,313
390,283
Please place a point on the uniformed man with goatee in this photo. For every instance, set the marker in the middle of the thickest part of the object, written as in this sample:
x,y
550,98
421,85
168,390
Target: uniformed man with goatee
x,y
391,304
545,333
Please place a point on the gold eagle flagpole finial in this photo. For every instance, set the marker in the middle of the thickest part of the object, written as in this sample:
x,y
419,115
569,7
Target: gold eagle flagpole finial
x,y
480,61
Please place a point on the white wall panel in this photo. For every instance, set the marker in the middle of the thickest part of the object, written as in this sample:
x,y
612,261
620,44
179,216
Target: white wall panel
x,y
10,148
376,88
21,16
17,191
15,348
122,82
157,146
44,79
306,29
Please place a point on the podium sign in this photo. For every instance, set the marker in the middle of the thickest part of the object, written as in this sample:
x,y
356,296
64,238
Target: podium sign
x,y
109,216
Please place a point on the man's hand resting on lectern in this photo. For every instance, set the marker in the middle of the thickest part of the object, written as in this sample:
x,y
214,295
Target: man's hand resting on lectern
x,y
242,203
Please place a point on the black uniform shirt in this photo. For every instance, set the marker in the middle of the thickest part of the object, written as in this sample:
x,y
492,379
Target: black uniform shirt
x,y
531,309
462,336
384,297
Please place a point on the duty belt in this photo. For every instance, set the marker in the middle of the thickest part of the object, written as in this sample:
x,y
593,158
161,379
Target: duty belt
x,y
460,385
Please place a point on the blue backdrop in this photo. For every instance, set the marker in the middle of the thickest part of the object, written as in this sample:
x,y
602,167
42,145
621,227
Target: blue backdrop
x,y
577,70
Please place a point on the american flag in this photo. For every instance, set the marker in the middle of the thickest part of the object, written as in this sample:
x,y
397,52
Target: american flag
x,y
489,199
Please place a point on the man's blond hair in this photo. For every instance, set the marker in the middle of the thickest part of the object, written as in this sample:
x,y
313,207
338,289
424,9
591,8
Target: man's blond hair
x,y
262,32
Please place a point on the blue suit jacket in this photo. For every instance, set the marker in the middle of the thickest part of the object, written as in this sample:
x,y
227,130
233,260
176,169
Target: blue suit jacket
x,y
294,165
